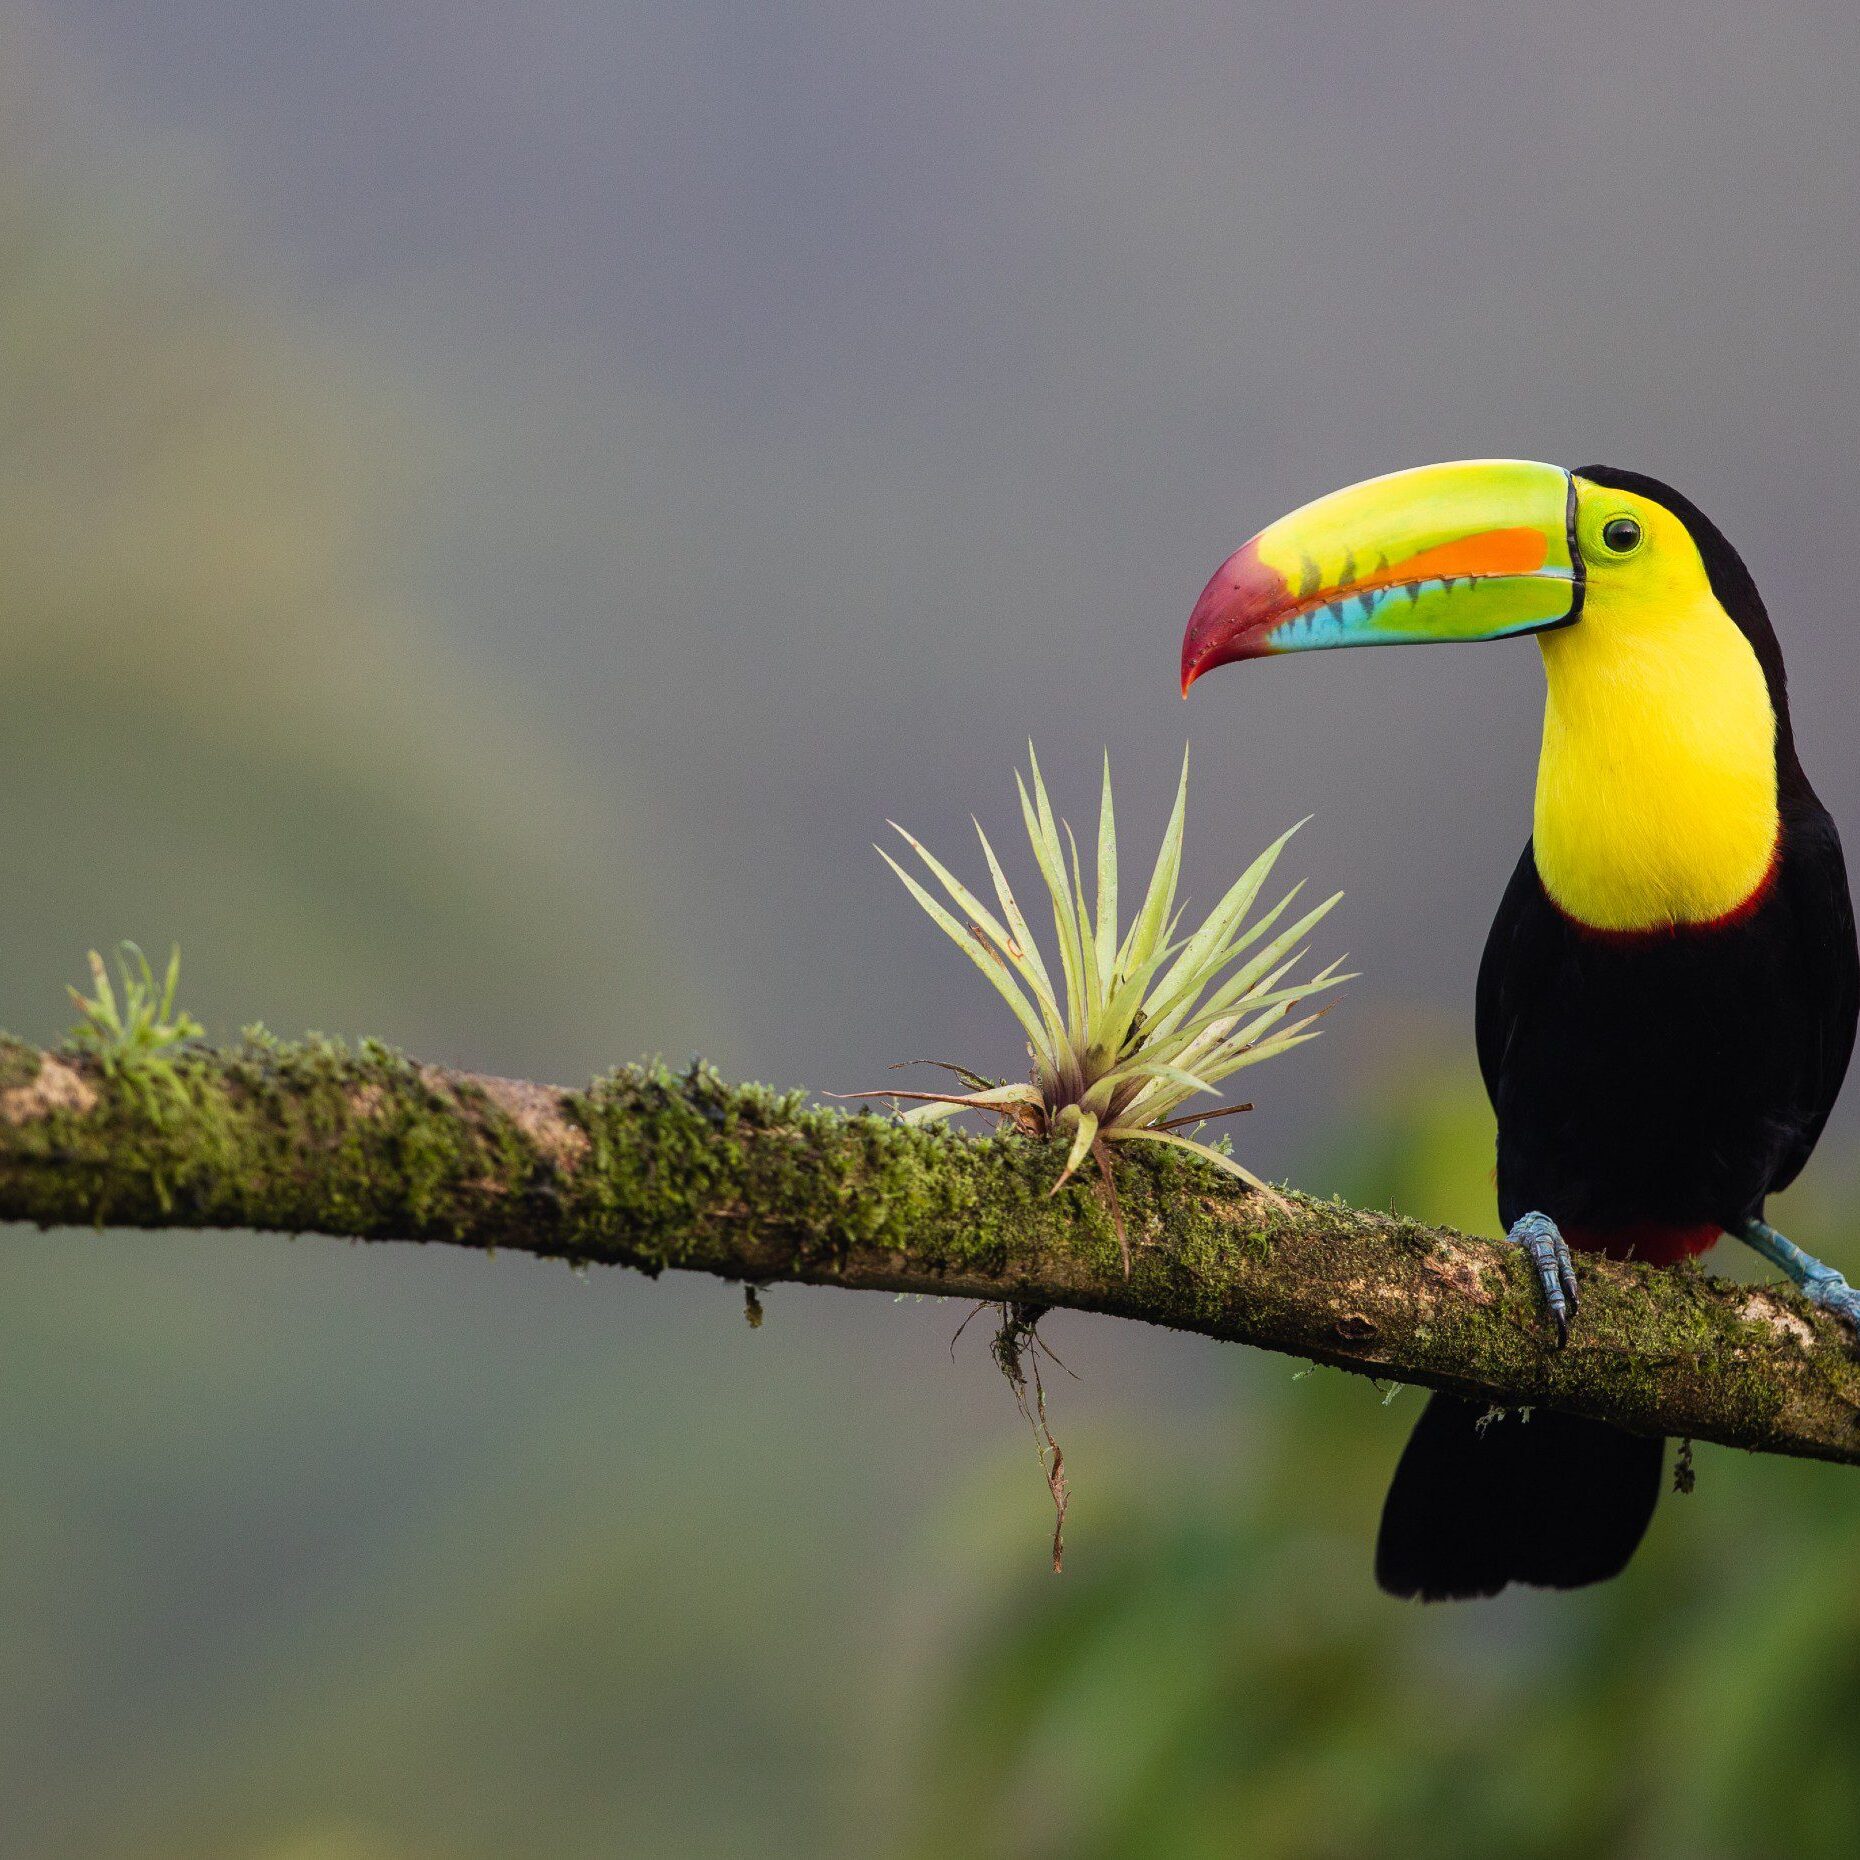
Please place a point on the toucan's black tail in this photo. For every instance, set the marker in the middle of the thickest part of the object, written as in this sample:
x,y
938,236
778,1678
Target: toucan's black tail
x,y
1544,1498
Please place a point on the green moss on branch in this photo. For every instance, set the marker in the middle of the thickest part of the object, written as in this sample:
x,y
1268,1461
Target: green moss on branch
x,y
658,1171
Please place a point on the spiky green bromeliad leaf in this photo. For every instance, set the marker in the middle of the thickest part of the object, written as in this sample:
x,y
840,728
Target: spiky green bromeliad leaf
x,y
1139,1023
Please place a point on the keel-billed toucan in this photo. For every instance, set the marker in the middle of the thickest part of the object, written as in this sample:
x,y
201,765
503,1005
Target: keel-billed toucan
x,y
1667,999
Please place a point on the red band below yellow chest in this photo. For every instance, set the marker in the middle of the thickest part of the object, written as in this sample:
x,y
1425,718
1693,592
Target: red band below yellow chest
x,y
1654,1243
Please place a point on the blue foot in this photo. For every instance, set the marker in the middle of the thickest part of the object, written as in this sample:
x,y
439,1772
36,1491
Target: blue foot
x,y
1540,1237
1821,1285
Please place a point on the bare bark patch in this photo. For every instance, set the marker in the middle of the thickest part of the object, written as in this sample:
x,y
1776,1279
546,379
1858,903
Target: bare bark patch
x,y
58,1087
1767,1309
1460,1273
537,1111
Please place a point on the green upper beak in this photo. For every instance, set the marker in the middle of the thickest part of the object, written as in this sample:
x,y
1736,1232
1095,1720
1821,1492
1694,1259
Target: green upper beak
x,y
1477,549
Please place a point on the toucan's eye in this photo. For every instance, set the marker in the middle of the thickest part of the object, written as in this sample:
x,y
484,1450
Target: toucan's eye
x,y
1621,535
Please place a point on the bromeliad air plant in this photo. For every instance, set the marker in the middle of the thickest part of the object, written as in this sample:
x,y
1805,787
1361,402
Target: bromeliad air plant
x,y
1149,1020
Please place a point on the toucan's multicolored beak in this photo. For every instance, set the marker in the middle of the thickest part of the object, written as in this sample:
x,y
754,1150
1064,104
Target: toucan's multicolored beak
x,y
1479,549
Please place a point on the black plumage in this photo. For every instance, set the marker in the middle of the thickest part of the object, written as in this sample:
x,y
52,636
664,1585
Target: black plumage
x,y
1482,1500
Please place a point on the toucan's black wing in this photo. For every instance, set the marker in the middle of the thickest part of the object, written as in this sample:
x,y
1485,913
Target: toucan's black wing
x,y
1513,955
1813,880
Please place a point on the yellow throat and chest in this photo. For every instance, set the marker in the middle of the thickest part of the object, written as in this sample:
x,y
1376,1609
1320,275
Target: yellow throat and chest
x,y
1656,787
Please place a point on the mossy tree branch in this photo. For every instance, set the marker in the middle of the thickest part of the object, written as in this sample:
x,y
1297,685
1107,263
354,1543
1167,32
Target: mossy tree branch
x,y
654,1170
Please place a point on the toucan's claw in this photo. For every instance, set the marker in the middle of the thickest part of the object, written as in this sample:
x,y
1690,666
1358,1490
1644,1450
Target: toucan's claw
x,y
1821,1284
1541,1238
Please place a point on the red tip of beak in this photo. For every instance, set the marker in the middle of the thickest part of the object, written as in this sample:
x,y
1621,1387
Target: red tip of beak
x,y
1237,609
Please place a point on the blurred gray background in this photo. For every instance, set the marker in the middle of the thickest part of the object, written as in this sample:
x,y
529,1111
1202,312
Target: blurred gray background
x,y
815,401
503,501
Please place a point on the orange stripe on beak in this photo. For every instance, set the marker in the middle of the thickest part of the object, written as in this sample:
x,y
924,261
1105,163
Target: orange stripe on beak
x,y
1491,552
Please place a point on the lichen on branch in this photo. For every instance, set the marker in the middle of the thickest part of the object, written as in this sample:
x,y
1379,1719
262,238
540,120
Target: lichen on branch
x,y
682,1171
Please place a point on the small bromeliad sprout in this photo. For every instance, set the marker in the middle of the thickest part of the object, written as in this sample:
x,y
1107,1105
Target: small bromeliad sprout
x,y
134,1039
1149,1020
